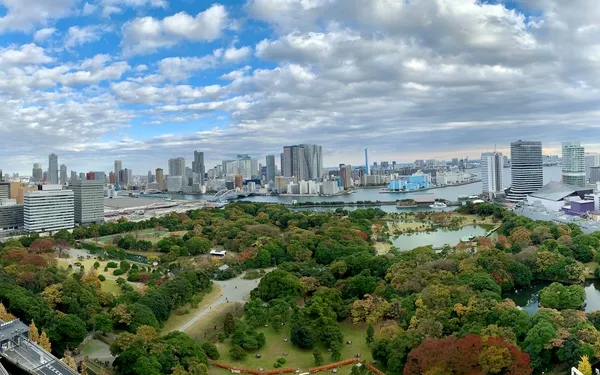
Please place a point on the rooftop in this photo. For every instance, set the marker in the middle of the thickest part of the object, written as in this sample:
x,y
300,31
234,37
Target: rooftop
x,y
556,191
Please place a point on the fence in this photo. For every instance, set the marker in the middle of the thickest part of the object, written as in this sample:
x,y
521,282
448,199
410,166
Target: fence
x,y
291,370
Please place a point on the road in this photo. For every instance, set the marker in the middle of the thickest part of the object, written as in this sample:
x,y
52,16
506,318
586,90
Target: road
x,y
234,290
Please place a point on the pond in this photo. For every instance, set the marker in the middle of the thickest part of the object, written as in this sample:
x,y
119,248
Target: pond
x,y
438,238
527,298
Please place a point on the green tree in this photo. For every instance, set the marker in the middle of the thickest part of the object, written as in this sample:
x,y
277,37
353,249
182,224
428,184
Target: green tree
x,y
277,284
336,353
211,350
558,296
198,245
66,332
318,356
237,353
228,324
370,334
302,337
103,323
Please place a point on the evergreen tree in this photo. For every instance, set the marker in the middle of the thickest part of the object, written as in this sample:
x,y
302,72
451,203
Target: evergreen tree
x,y
318,357
370,334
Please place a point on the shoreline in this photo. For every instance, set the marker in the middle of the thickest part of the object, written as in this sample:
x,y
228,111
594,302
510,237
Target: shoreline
x,y
429,188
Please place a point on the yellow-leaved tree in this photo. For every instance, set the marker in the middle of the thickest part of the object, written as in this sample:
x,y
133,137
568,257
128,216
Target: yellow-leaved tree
x,y
34,334
584,366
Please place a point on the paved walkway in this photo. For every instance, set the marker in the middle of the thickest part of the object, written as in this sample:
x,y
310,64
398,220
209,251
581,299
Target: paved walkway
x,y
234,290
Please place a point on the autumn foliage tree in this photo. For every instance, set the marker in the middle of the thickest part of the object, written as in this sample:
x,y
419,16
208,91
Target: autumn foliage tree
x,y
471,354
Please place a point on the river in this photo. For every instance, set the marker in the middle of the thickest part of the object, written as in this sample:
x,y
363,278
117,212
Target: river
x,y
527,298
364,194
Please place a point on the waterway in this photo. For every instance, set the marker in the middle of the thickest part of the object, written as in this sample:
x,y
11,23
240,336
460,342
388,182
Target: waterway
x,y
449,193
439,238
528,298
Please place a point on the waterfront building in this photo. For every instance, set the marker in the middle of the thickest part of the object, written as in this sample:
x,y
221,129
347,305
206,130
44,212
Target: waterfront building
x,y
63,174
281,184
410,183
305,162
11,215
492,164
50,208
374,179
53,169
346,176
271,170
88,201
557,196
176,167
238,181
526,169
198,166
573,164
592,159
175,184
366,161
330,188
118,168
160,179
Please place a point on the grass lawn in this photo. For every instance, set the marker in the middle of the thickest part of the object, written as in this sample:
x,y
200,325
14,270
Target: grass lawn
x,y
144,234
111,286
382,248
298,358
175,321
204,329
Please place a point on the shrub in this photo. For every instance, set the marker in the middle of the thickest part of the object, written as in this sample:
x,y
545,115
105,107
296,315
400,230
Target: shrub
x,y
134,266
96,265
112,265
210,350
118,272
101,278
221,337
237,353
125,265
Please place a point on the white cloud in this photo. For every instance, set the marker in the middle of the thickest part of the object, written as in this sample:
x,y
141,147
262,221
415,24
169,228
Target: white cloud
x,y
77,36
28,54
179,68
236,74
147,34
89,9
235,55
43,34
26,15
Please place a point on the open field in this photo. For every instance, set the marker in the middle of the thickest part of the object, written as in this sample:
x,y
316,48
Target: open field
x,y
382,248
298,358
145,234
204,329
175,321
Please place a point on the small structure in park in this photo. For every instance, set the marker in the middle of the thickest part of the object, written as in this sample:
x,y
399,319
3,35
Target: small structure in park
x,y
218,253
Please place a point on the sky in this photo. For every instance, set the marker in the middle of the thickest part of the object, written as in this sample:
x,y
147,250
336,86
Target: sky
x,y
147,80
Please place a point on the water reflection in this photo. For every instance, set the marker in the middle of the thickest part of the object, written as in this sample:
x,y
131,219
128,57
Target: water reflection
x,y
439,238
528,298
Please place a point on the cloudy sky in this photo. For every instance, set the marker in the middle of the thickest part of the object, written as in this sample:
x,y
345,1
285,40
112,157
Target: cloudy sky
x,y
146,80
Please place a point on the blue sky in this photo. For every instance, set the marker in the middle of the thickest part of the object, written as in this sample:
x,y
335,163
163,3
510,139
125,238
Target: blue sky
x,y
147,80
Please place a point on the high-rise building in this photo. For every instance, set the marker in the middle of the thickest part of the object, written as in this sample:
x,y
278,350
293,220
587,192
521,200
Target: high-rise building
x,y
88,201
82,176
271,168
238,181
118,167
49,209
305,162
112,178
366,161
491,173
11,215
526,169
37,173
150,177
45,176
346,176
198,166
592,159
124,177
74,175
160,179
1,176
4,190
63,174
176,166
53,169
573,164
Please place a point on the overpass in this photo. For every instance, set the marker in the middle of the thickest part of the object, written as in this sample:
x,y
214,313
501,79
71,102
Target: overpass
x,y
16,348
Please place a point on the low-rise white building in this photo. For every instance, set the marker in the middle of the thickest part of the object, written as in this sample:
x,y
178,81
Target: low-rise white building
x,y
174,184
49,209
330,188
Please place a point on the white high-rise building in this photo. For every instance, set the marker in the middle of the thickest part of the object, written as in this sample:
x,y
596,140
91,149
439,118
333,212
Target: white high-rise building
x,y
118,167
526,169
305,162
573,164
49,209
177,167
592,159
53,169
63,174
491,173
198,167
89,201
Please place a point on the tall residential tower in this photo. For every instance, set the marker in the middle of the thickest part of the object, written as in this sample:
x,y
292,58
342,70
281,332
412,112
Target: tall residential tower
x,y
491,173
573,164
526,170
53,169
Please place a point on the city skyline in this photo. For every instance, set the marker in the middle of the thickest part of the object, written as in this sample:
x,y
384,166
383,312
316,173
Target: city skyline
x,y
88,80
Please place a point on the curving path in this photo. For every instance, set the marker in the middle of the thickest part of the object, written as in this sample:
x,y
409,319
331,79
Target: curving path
x,y
234,290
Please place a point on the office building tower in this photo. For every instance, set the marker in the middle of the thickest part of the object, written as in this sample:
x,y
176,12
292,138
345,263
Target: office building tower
x,y
37,173
573,164
526,169
99,176
271,171
1,176
82,176
305,162
346,176
4,190
366,161
491,173
11,215
112,178
420,163
160,179
150,179
594,175
63,174
45,176
118,168
313,156
238,181
88,201
74,176
53,169
124,177
49,209
176,167
592,159
243,156
286,162
198,166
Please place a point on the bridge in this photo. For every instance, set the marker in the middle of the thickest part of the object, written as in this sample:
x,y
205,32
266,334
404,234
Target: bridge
x,y
16,348
225,195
